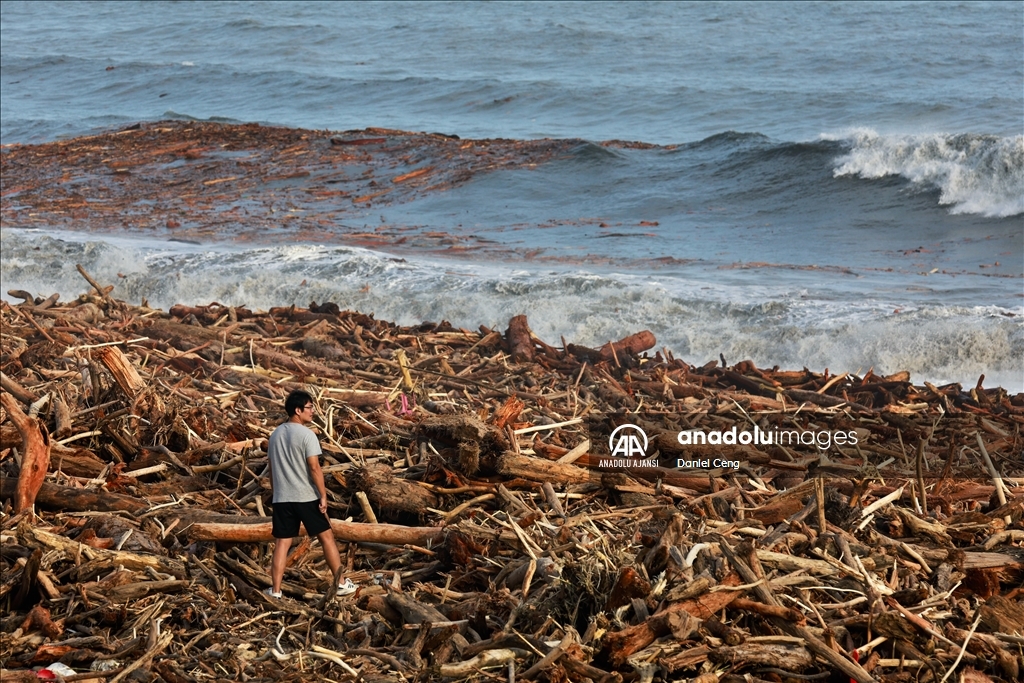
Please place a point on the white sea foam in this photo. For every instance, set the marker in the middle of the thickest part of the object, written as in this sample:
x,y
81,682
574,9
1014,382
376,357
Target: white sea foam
x,y
696,316
976,174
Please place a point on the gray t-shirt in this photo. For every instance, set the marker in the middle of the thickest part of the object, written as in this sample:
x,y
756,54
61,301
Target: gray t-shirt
x,y
290,445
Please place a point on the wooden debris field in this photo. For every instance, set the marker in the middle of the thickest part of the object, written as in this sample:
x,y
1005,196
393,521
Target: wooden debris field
x,y
468,493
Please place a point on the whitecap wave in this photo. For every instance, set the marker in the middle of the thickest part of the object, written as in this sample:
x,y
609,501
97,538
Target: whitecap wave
x,y
975,174
697,316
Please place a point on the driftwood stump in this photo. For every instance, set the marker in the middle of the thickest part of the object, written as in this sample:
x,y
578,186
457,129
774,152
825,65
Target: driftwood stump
x,y
388,492
520,343
35,455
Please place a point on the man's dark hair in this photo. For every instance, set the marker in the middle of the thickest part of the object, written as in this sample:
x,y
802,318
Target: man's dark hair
x,y
296,400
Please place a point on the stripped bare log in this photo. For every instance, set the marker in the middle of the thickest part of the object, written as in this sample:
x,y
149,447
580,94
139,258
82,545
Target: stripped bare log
x,y
122,369
18,391
514,465
392,534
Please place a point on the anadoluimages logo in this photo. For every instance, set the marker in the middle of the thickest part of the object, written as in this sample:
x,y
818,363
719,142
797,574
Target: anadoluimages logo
x,y
628,446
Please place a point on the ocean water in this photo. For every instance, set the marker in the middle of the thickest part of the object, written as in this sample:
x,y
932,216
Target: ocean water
x,y
819,184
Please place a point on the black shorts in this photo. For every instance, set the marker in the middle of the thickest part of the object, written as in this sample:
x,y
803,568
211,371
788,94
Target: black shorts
x,y
288,515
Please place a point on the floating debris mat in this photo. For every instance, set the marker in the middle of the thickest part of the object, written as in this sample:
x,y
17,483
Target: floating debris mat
x,y
199,180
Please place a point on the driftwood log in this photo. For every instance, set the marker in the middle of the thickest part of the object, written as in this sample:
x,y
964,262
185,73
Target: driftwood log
x,y
634,344
345,531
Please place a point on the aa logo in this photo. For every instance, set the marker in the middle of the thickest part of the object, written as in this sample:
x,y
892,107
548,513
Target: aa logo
x,y
628,441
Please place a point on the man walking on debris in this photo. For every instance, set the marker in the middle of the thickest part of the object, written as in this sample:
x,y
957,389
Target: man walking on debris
x,y
300,494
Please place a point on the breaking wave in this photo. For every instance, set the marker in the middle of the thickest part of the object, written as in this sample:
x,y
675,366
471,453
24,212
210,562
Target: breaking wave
x,y
976,174
697,316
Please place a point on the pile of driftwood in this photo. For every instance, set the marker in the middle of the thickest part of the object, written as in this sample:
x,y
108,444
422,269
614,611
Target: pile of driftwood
x,y
471,492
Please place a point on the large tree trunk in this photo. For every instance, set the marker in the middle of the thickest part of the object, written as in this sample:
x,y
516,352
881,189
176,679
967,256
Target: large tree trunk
x,y
67,499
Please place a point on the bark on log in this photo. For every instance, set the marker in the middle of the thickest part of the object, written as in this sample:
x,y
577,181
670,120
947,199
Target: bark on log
x,y
770,611
323,347
35,456
356,398
10,437
765,654
667,475
999,615
139,589
751,386
391,534
413,611
389,492
776,511
520,343
674,534
727,634
122,369
824,400
623,644
76,462
453,430
633,344
209,313
687,659
19,392
658,389
67,499
627,586
206,343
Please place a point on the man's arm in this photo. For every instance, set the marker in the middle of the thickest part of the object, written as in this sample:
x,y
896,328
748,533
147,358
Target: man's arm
x,y
318,480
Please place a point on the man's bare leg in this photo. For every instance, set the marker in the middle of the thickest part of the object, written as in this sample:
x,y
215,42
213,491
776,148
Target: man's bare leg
x,y
277,565
330,548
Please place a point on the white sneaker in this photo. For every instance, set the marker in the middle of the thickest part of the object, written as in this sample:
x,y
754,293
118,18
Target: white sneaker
x,y
271,593
346,587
